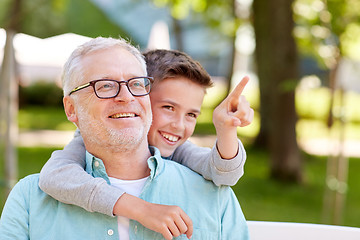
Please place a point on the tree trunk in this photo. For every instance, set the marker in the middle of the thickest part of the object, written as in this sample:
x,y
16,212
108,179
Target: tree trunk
x,y
230,66
9,99
178,34
277,63
230,70
9,109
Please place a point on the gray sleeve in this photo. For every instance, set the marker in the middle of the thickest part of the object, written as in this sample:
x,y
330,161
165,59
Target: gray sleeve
x,y
209,163
63,177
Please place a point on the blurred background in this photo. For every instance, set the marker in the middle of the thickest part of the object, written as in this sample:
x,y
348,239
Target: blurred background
x,y
303,59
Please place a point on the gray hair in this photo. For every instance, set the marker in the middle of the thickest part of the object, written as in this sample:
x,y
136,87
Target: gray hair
x,y
72,71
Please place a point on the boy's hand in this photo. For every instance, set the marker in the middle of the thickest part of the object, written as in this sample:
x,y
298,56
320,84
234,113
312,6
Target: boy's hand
x,y
170,221
235,110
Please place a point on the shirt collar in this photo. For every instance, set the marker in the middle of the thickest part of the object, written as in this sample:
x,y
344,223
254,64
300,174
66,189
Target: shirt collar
x,y
95,166
155,162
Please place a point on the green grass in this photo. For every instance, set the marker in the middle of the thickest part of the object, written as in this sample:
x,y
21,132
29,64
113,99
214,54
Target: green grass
x,y
260,197
264,199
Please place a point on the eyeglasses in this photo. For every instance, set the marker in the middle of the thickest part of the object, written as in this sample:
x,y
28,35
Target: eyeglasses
x,y
108,88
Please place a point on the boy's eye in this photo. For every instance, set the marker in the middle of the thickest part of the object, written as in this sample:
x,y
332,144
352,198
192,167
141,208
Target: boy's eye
x,y
193,115
168,107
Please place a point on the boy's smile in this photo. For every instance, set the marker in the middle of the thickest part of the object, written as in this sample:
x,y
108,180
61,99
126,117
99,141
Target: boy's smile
x,y
176,103
171,138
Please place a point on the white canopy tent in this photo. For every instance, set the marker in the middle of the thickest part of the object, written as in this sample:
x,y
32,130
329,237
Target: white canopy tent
x,y
41,59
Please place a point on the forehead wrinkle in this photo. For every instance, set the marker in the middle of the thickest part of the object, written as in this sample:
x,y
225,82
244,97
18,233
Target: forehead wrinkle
x,y
114,69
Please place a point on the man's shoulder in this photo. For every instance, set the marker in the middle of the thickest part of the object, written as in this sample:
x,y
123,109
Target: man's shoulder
x,y
30,179
177,173
173,165
175,170
28,184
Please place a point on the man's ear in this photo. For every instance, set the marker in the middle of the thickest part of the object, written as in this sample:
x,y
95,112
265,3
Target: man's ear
x,y
69,107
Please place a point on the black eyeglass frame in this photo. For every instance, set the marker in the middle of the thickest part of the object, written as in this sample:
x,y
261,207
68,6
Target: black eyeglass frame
x,y
93,82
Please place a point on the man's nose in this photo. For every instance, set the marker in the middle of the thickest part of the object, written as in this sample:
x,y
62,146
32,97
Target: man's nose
x,y
124,94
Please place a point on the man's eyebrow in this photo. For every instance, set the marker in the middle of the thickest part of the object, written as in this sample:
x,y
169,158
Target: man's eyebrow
x,y
127,77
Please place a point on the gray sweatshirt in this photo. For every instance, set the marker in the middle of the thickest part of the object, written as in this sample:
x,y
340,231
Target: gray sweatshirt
x,y
63,176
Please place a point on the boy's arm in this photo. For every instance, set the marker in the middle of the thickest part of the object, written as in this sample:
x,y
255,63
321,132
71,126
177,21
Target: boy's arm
x,y
170,221
233,112
208,162
224,164
63,177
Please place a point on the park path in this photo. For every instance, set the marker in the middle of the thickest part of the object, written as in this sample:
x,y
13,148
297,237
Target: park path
x,y
52,138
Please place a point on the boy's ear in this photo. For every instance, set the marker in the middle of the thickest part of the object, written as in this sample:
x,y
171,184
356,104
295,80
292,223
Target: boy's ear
x,y
69,108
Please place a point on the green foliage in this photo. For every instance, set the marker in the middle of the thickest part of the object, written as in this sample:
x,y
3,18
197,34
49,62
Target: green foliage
x,y
351,41
85,18
4,4
325,29
40,117
61,16
41,93
313,103
219,14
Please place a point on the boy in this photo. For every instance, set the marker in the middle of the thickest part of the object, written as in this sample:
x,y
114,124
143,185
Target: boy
x,y
179,87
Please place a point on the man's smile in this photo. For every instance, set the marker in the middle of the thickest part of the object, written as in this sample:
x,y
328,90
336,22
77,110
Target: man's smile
x,y
123,115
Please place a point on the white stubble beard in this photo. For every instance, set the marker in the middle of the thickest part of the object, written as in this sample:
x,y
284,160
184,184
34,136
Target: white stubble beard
x,y
124,139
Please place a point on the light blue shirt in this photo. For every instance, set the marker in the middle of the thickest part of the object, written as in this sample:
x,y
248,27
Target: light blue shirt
x,y
29,213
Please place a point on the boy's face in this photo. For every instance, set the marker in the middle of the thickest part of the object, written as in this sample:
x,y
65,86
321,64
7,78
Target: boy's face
x,y
175,103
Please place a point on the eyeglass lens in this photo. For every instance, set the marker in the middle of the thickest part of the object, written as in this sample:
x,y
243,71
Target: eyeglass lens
x,y
110,88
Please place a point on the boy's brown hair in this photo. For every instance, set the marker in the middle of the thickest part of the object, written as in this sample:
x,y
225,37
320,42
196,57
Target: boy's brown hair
x,y
163,64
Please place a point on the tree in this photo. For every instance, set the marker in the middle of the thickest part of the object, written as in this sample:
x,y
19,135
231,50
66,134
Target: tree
x,y
326,30
9,96
277,67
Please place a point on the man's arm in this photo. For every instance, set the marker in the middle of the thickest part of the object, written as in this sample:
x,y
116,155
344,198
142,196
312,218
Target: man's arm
x,y
14,222
233,222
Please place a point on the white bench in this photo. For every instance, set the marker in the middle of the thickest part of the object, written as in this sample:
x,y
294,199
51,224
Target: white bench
x,y
263,230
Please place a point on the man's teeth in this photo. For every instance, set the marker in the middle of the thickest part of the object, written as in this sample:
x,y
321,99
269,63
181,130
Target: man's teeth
x,y
171,138
122,115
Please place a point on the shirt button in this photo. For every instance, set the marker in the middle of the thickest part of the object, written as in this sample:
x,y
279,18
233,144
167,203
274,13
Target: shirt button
x,y
96,163
135,229
110,232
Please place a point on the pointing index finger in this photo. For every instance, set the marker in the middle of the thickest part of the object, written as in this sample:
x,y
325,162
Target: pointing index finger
x,y
239,88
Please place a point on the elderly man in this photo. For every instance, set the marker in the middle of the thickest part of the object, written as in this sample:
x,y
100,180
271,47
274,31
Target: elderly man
x,y
106,96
